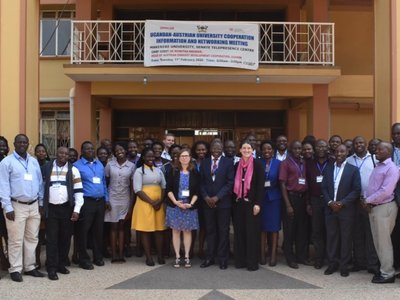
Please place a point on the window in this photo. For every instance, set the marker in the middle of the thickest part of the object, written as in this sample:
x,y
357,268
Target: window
x,y
55,130
55,33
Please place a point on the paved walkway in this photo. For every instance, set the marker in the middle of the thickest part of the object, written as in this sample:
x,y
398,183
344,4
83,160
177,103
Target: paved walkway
x,y
134,280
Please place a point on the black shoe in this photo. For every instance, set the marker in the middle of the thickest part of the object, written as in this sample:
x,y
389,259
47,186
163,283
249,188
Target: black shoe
x,y
150,262
263,261
99,262
207,263
318,265
344,273
63,270
330,270
255,268
52,275
128,252
161,260
16,276
292,265
223,265
138,252
380,279
34,273
86,266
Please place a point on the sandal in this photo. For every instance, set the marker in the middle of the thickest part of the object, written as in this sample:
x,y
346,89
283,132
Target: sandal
x,y
188,264
177,263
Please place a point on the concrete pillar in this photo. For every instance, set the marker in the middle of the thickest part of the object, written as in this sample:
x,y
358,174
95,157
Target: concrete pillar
x,y
319,123
85,114
383,71
19,69
395,60
105,123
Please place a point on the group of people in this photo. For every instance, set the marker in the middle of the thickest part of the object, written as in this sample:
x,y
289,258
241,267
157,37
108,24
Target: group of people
x,y
339,197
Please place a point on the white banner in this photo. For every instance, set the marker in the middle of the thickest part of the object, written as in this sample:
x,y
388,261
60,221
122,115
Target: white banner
x,y
213,44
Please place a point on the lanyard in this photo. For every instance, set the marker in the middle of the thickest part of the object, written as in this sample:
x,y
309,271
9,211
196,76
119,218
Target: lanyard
x,y
58,173
363,161
92,167
323,167
22,164
299,167
337,171
268,168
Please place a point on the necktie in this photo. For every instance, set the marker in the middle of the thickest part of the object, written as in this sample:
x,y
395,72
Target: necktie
x,y
214,166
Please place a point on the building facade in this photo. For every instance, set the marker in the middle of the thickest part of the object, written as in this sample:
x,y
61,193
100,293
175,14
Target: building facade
x,y
62,88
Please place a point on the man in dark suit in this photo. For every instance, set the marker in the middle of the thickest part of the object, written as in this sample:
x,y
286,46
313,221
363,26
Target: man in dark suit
x,y
217,175
341,187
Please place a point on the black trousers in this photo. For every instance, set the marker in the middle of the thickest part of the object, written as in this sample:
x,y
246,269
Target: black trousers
x,y
364,253
92,219
396,242
295,229
217,221
247,233
339,235
58,233
318,234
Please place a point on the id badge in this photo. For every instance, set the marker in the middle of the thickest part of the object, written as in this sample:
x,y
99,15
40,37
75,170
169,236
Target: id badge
x,y
267,183
96,180
185,193
319,179
28,177
302,181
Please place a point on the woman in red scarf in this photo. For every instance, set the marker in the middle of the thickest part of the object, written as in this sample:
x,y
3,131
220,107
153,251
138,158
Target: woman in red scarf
x,y
248,191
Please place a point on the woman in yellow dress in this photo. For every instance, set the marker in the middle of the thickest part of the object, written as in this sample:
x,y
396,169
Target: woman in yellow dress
x,y
149,211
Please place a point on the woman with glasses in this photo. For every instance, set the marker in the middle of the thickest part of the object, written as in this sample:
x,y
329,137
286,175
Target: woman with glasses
x,y
182,190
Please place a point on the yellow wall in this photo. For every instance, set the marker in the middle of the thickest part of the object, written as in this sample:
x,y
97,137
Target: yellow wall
x,y
53,82
349,123
354,41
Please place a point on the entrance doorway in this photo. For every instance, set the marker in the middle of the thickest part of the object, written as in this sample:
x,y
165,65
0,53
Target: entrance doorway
x,y
191,126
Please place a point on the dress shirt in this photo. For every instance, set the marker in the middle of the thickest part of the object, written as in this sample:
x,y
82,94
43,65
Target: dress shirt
x,y
314,170
20,179
166,155
281,157
382,183
337,175
396,156
89,172
290,171
365,165
58,193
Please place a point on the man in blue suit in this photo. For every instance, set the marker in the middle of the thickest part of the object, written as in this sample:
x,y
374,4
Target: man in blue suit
x,y
217,175
341,187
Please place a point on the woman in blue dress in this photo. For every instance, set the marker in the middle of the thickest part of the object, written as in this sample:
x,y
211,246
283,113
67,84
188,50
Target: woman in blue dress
x,y
271,205
182,191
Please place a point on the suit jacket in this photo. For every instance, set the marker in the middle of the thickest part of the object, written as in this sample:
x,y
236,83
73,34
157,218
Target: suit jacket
x,y
348,191
256,192
274,191
223,184
173,178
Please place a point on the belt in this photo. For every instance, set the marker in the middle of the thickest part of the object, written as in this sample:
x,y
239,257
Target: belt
x,y
24,202
373,205
95,199
298,194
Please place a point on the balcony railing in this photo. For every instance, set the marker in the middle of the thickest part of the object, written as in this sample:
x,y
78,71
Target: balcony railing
x,y
280,42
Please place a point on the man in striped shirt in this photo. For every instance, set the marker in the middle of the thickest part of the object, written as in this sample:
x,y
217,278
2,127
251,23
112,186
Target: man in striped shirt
x,y
63,199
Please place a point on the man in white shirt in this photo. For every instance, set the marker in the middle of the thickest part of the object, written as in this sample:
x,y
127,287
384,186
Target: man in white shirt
x,y
63,199
364,253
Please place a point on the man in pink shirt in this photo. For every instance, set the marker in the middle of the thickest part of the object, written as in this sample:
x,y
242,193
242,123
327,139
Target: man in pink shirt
x,y
379,202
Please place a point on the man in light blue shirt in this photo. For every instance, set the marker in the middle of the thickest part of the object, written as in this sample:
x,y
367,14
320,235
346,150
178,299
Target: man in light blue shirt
x,y
21,193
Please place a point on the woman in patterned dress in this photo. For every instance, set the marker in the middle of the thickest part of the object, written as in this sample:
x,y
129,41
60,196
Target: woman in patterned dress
x,y
182,190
